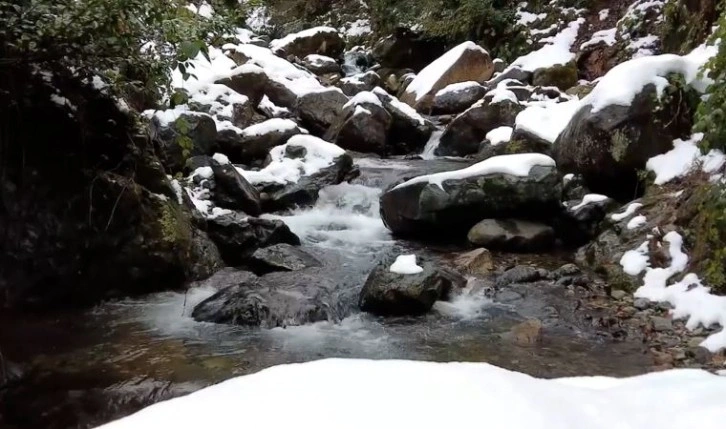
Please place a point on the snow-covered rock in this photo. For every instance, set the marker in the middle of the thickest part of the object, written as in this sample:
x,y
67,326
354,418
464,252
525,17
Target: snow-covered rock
x,y
457,97
254,143
320,109
320,64
318,40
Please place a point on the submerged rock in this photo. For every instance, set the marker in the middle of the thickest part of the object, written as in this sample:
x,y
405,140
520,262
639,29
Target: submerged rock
x,y
282,257
512,234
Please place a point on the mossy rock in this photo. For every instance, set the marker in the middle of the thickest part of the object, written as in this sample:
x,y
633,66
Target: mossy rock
x,y
563,76
581,91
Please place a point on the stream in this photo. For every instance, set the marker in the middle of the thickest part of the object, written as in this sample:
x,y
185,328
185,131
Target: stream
x,y
85,368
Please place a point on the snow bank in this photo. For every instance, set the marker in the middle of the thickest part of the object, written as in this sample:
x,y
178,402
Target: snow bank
x,y
635,261
499,135
547,119
329,394
555,51
424,82
405,264
514,165
682,159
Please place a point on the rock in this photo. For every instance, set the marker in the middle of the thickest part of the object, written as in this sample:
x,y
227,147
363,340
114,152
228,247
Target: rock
x,y
457,97
198,161
567,270
519,274
563,76
362,126
321,65
464,134
189,135
409,131
245,115
642,304
477,262
406,49
225,277
608,147
238,237
305,191
661,324
513,73
527,333
281,257
428,210
580,222
512,235
391,294
277,299
700,354
319,109
514,146
618,294
280,94
319,40
465,62
580,91
232,191
359,83
255,142
248,80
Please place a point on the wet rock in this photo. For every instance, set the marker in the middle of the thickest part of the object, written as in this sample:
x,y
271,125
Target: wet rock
x,y
477,262
319,40
232,191
465,133
238,237
225,277
190,135
409,131
321,65
466,62
519,274
512,234
562,76
282,257
319,109
662,324
517,144
527,333
198,161
277,299
609,146
248,80
457,97
428,210
391,294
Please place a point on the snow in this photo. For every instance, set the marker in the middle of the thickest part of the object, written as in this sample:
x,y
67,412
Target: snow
x,y
629,211
547,119
361,27
203,10
643,46
221,158
258,19
589,199
319,154
266,105
690,299
281,44
501,93
621,84
432,395
270,126
319,60
603,14
636,222
425,81
555,51
406,264
602,36
514,165
635,261
525,18
364,97
397,104
682,159
457,87
499,135
203,172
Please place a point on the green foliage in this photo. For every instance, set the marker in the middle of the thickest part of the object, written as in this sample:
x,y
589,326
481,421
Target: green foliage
x,y
183,140
130,44
687,24
711,117
707,233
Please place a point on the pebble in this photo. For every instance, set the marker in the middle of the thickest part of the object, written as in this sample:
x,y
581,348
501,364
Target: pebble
x,y
618,294
661,324
642,303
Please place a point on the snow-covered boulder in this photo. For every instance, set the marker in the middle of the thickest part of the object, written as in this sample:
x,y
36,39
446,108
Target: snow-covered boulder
x,y
247,79
512,235
465,133
178,137
278,299
409,131
237,237
450,203
362,126
465,62
457,97
319,109
405,288
318,40
232,191
254,143
358,83
320,64
581,219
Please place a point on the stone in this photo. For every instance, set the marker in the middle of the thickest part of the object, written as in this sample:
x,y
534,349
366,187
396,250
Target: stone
x,y
281,257
248,80
567,270
232,191
562,76
189,135
405,49
512,235
319,40
409,132
477,262
519,274
642,304
321,65
255,142
390,294
662,324
618,294
466,62
319,109
700,354
527,333
359,83
511,73
362,127
457,97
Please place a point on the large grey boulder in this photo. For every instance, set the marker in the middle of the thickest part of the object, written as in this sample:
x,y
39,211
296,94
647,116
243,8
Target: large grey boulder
x,y
362,125
319,109
232,191
319,40
249,80
457,97
282,257
449,204
409,131
254,142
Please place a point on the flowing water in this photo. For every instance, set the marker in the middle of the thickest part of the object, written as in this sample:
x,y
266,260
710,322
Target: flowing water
x,y
85,368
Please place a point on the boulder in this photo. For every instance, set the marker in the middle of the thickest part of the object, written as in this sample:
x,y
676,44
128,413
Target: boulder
x,y
610,145
318,40
511,73
278,299
465,62
465,133
238,237
190,134
281,257
581,220
512,235
245,115
248,80
448,204
362,126
457,97
232,191
386,293
359,83
477,262
514,146
406,49
520,274
319,109
409,131
321,65
563,76
280,94
255,142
